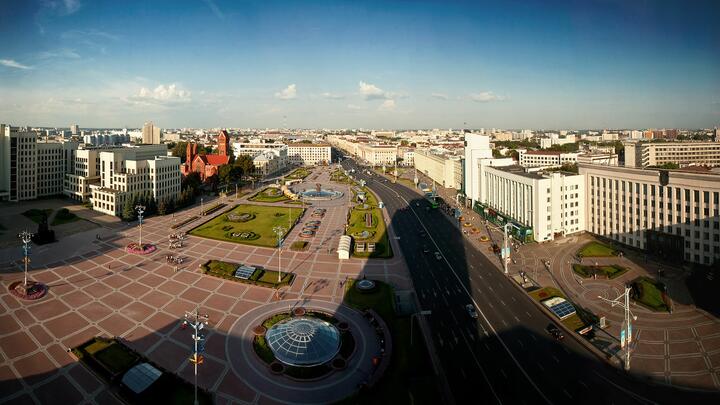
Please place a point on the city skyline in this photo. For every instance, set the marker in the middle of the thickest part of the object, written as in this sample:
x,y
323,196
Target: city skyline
x,y
602,64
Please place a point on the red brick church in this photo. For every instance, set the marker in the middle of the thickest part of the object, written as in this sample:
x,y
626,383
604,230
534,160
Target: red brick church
x,y
207,165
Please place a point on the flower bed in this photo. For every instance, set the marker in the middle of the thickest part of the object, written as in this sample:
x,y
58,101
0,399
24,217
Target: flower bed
x,y
261,277
136,249
35,292
185,222
214,208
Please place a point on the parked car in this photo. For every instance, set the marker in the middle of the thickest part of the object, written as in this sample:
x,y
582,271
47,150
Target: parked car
x,y
471,311
555,332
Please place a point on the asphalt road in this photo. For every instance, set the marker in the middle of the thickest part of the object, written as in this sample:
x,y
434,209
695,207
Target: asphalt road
x,y
505,356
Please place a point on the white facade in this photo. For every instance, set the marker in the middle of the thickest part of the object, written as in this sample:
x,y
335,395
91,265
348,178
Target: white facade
x,y
307,154
683,153
608,159
638,206
444,170
477,148
551,203
125,172
541,158
151,134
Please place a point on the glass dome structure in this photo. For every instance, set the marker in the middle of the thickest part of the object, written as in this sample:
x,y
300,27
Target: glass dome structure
x,y
303,341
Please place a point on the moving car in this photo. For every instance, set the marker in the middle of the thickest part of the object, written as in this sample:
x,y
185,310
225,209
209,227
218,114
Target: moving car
x,y
425,249
554,331
438,256
471,311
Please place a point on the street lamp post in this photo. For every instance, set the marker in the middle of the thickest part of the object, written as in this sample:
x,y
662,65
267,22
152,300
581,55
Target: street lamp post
x,y
279,232
26,238
506,254
202,209
626,331
140,210
197,321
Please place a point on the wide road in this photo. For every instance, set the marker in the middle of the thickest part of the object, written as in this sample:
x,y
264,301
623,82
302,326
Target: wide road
x,y
505,356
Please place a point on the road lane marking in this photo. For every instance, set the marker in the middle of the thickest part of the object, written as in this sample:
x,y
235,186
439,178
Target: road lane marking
x,y
503,373
567,393
516,319
522,346
582,383
540,367
556,359
528,314
502,342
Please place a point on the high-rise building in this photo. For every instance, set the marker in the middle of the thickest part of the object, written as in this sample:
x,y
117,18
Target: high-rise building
x,y
74,129
151,134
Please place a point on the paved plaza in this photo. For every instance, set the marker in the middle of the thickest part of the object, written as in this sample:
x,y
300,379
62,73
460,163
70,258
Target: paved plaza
x,y
97,289
681,348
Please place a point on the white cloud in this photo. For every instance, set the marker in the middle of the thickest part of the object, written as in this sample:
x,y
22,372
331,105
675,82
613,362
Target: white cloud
x,y
13,64
162,94
59,53
332,96
71,6
288,93
215,9
387,105
372,92
355,107
486,96
440,96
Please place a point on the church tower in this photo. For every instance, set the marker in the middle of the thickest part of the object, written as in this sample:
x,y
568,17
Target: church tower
x,y
223,143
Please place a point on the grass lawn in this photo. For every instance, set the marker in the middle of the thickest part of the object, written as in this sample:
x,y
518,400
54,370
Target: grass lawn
x,y
573,322
261,277
116,358
36,215
269,195
299,245
64,216
409,378
596,249
610,272
297,174
339,176
262,224
648,292
357,225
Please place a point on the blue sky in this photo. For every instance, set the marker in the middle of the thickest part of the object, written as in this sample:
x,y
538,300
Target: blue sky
x,y
332,64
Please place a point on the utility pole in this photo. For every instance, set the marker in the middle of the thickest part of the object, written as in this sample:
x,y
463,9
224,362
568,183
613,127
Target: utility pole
x,y
626,331
196,321
140,210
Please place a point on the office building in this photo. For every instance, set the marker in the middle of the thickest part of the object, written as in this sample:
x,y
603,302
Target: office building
x,y
675,214
546,158
151,134
443,169
477,148
74,129
125,172
537,205
644,154
598,158
308,154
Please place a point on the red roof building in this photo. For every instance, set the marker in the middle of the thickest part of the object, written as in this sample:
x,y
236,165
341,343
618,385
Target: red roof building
x,y
207,165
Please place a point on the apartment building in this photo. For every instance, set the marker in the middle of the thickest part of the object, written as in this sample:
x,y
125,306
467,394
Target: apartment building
x,y
151,134
672,213
545,158
371,153
645,154
537,204
443,169
309,154
267,163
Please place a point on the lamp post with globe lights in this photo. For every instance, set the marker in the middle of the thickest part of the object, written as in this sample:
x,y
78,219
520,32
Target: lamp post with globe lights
x,y
140,210
197,322
279,232
26,238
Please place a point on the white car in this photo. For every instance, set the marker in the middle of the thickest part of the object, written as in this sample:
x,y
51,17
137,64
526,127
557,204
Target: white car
x,y
438,256
471,311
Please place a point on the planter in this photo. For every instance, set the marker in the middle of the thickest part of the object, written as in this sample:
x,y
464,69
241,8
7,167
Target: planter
x,y
136,249
35,290
259,330
339,363
299,311
277,368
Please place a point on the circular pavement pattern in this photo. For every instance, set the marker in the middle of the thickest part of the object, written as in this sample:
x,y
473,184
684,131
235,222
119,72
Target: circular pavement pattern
x,y
336,386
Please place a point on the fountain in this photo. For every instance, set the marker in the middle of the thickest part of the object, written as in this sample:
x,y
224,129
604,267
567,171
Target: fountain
x,y
318,193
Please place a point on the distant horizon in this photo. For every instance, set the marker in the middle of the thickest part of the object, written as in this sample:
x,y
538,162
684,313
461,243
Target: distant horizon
x,y
391,64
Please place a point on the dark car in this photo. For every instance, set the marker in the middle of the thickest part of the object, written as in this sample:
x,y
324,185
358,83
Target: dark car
x,y
555,332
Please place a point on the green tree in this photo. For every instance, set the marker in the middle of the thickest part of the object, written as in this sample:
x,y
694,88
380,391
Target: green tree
x,y
128,212
192,180
162,207
179,149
